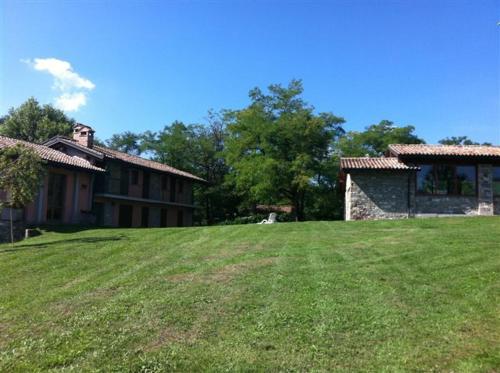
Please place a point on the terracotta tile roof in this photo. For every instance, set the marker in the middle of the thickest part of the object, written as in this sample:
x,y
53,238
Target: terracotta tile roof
x,y
446,150
275,208
101,152
68,141
367,163
50,154
138,161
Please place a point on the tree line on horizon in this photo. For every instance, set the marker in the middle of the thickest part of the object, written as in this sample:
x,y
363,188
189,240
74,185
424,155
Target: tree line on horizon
x,y
275,151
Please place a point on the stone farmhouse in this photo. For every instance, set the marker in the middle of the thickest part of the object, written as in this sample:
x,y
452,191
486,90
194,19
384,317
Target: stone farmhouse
x,y
90,184
422,180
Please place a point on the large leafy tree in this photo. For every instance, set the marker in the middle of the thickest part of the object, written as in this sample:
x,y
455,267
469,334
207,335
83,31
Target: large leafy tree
x,y
21,170
127,142
35,123
172,145
376,138
276,146
460,140
197,149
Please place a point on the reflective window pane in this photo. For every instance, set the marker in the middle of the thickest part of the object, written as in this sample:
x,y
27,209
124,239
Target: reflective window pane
x,y
425,179
466,180
444,179
496,181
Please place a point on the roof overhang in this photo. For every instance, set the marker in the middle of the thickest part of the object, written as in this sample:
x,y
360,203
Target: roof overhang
x,y
391,164
68,142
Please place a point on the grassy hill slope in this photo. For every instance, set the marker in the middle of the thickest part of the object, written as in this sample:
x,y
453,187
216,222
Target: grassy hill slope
x,y
386,295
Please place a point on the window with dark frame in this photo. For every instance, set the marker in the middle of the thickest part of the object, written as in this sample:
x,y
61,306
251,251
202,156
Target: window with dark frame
x,y
180,218
145,217
181,186
447,179
172,189
134,177
163,217
164,182
496,180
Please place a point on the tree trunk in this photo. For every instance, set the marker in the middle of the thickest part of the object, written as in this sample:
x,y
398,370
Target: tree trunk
x,y
299,211
298,205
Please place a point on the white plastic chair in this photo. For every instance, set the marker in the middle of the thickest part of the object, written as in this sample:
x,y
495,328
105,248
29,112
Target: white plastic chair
x,y
270,220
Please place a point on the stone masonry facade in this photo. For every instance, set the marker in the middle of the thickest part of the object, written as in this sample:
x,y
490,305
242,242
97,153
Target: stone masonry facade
x,y
379,195
375,194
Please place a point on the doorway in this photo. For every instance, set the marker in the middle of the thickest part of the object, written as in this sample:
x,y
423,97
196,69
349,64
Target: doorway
x,y
125,216
56,193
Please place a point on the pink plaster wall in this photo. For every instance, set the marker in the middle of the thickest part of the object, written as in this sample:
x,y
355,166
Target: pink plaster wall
x,y
84,198
84,194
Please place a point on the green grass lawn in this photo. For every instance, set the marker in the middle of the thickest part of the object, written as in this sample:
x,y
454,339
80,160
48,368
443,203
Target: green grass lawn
x,y
420,295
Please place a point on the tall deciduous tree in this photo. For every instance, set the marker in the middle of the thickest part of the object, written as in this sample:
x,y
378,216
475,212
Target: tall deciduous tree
x,y
172,145
35,123
276,146
21,170
197,149
127,142
376,138
460,140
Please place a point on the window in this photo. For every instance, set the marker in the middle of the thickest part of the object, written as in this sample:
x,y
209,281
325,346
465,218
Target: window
x,y
465,180
134,177
496,181
56,197
180,218
446,179
145,184
163,217
125,213
124,175
181,186
172,189
425,179
164,182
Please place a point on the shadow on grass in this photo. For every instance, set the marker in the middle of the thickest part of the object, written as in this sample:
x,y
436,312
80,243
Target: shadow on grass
x,y
44,245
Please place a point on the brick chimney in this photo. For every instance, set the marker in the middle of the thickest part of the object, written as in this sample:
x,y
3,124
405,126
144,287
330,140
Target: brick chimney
x,y
83,135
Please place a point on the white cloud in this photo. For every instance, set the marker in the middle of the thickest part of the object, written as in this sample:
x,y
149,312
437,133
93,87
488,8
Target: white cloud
x,y
71,101
73,87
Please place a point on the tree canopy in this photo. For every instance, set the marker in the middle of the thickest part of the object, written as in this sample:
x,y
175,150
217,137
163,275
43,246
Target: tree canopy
x,y
21,171
277,144
35,123
376,138
127,142
460,140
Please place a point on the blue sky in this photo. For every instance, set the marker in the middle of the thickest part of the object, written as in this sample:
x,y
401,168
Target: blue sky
x,y
432,64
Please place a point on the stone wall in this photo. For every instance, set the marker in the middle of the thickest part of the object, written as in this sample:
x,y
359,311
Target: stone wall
x,y
445,205
391,195
485,189
379,195
18,225
496,205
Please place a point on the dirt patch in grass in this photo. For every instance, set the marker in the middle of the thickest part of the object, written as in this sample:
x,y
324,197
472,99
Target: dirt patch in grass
x,y
4,334
230,271
234,251
63,309
103,292
170,335
222,274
